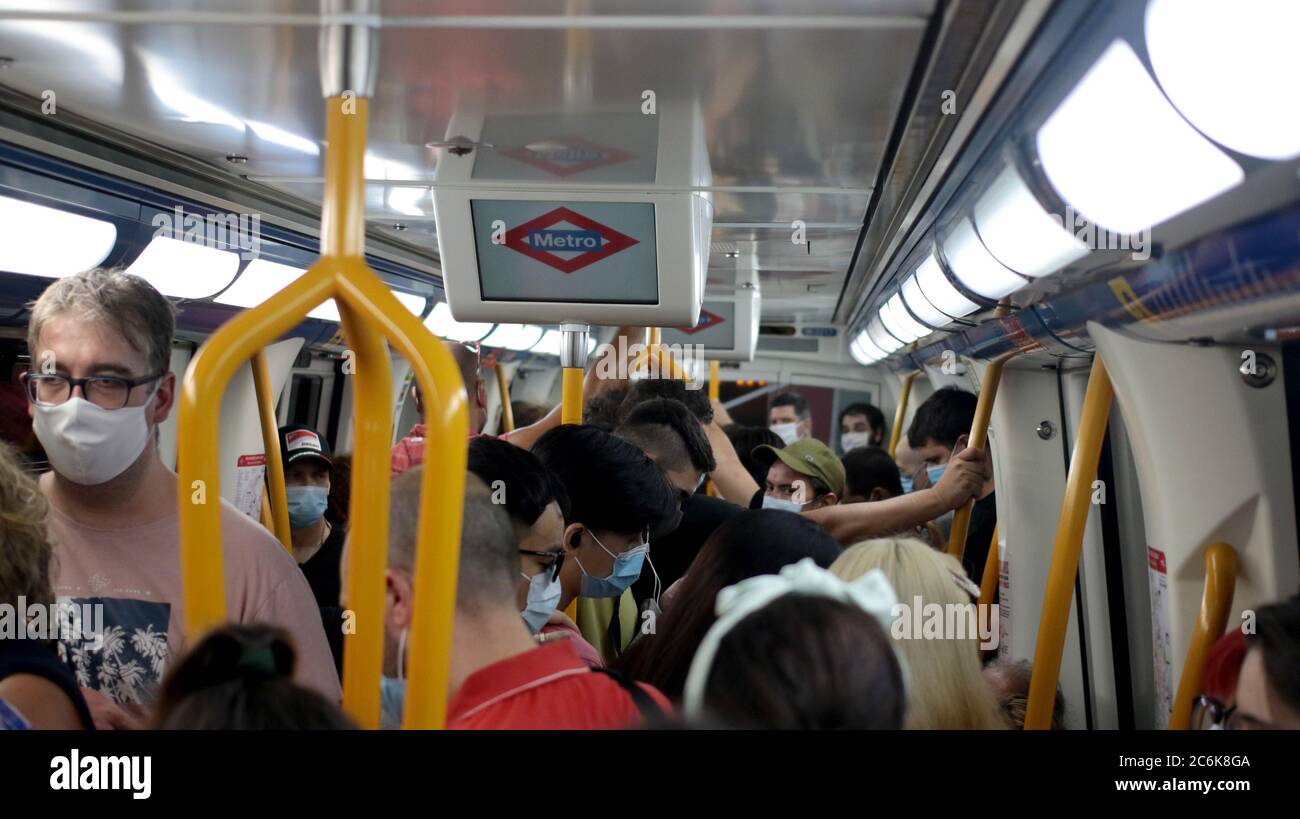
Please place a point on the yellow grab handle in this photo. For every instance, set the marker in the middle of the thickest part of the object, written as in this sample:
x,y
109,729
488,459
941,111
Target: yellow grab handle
x,y
571,395
979,433
1065,551
896,434
715,384
989,580
276,494
1216,601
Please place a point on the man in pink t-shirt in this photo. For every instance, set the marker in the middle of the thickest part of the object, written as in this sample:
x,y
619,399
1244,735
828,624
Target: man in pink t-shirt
x,y
100,387
409,451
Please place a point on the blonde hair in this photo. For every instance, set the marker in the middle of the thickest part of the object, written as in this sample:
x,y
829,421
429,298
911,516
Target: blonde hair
x,y
124,302
945,688
26,556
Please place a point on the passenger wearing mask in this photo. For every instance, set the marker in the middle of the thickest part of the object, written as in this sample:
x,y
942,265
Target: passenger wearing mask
x,y
754,542
240,678
870,475
946,689
789,417
801,477
538,505
666,431
37,690
101,345
499,677
317,545
800,650
861,424
619,500
1268,687
409,451
941,428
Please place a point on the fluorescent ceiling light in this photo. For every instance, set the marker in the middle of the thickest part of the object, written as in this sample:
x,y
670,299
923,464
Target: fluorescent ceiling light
x,y
515,336
186,270
287,139
40,241
1231,69
1019,232
975,267
1128,176
921,306
940,292
860,356
878,334
441,324
263,279
899,322
866,345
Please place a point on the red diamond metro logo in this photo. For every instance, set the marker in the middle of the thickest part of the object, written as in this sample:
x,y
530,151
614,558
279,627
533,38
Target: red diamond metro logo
x,y
566,240
707,320
567,155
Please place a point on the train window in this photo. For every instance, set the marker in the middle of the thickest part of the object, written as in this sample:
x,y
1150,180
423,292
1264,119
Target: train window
x,y
304,399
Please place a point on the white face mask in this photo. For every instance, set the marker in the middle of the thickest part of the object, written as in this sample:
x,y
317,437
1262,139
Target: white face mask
x,y
789,432
88,444
853,440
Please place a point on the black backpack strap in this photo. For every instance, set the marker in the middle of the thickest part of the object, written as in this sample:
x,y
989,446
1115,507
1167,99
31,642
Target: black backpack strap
x,y
645,704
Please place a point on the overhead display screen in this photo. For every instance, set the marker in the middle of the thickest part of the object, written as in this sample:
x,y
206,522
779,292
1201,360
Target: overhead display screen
x,y
576,252
716,328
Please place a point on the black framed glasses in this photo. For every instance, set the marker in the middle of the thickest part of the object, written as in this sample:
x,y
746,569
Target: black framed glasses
x,y
107,391
553,568
1210,714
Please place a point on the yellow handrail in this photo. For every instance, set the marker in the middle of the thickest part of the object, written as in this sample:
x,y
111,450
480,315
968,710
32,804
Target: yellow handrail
x,y
275,491
979,433
1216,601
503,390
365,305
1065,551
896,434
715,394
989,580
571,395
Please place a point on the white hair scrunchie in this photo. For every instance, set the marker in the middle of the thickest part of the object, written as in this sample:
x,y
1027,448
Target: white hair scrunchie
x,y
870,592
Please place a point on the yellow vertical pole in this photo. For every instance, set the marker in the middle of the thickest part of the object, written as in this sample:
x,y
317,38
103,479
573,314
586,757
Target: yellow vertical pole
x,y
1216,601
979,432
275,491
715,394
989,580
503,390
571,396
1065,551
896,434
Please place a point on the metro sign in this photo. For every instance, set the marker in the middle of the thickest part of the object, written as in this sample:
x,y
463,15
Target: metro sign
x,y
566,241
707,319
567,155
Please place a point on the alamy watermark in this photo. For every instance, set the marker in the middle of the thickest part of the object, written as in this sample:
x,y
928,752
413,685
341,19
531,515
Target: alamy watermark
x,y
64,621
224,231
1097,238
947,621
626,361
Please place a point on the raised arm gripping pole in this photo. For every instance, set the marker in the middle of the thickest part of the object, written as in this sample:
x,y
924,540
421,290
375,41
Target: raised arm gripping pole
x,y
503,390
1065,551
979,435
369,311
896,434
1216,602
276,496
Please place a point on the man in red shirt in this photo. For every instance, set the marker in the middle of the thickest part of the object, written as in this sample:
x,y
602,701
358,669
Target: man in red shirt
x,y
409,451
500,677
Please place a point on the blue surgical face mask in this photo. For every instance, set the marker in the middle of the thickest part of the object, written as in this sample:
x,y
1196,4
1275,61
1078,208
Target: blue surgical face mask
x,y
306,504
627,568
770,502
907,483
392,699
935,473
543,596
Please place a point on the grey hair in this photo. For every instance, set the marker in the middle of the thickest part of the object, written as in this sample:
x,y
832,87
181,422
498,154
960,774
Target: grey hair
x,y
127,303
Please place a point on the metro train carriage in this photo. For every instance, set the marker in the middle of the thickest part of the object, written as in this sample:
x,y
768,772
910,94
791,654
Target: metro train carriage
x,y
938,357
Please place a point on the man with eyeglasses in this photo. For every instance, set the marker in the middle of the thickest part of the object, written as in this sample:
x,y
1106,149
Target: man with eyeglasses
x,y
98,390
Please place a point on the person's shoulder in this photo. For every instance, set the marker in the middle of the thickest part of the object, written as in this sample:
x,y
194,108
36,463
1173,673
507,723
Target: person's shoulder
x,y
704,507
246,538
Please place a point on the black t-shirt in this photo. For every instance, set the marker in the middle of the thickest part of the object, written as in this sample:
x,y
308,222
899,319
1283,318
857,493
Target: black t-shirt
x,y
42,660
983,520
322,568
672,554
